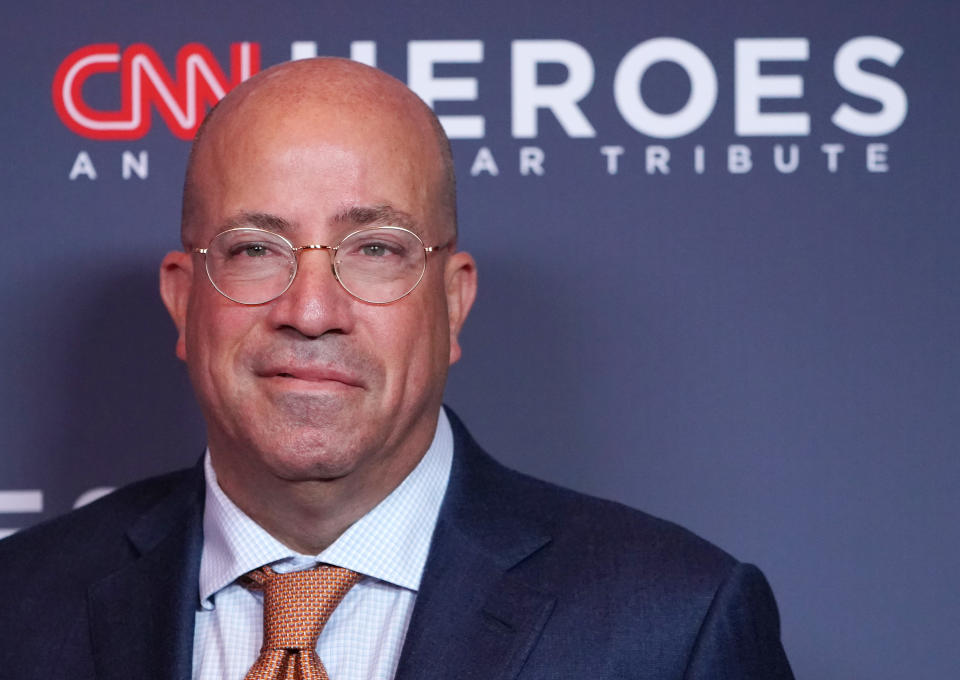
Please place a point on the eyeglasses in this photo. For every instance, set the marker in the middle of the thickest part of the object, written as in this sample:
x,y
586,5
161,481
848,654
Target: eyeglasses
x,y
378,265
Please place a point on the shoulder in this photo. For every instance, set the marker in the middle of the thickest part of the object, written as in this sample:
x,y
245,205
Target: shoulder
x,y
583,534
93,559
94,536
607,537
624,584
492,495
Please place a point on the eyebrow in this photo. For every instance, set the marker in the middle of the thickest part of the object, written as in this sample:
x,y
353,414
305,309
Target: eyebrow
x,y
260,221
382,214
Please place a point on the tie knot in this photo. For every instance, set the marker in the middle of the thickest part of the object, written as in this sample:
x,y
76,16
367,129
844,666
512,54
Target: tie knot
x,y
297,605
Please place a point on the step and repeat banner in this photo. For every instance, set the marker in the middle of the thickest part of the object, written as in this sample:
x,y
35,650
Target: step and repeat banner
x,y
718,251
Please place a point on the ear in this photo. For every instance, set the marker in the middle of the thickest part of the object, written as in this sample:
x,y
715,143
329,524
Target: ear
x,y
460,277
176,281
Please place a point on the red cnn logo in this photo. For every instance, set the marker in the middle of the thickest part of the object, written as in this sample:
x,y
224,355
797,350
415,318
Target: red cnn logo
x,y
145,82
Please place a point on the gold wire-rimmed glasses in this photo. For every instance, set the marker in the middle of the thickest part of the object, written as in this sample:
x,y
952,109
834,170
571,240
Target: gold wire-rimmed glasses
x,y
378,265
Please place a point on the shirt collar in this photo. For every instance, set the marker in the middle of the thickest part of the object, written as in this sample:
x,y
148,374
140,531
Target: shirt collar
x,y
389,543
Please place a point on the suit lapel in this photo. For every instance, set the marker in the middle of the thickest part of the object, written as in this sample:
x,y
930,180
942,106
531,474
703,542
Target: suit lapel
x,y
141,616
476,617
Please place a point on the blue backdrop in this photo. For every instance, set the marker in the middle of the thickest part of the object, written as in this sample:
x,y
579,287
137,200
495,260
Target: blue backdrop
x,y
718,261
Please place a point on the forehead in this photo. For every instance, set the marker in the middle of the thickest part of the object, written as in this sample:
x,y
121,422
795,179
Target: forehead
x,y
293,173
364,132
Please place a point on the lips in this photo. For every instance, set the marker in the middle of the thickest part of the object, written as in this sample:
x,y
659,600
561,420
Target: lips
x,y
312,374
321,365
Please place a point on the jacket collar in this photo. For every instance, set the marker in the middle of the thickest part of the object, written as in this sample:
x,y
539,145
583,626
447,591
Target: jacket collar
x,y
142,615
475,615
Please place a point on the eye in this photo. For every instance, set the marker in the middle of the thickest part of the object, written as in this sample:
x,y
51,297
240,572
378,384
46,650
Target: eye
x,y
251,249
255,250
374,249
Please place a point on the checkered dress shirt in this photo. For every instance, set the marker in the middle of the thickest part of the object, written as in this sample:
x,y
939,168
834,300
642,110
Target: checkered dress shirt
x,y
388,545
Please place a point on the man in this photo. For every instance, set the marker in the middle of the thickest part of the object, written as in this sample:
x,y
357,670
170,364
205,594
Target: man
x,y
318,300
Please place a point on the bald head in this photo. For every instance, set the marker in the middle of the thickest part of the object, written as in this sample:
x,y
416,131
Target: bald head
x,y
340,98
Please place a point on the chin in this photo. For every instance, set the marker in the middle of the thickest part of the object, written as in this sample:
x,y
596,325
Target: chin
x,y
313,455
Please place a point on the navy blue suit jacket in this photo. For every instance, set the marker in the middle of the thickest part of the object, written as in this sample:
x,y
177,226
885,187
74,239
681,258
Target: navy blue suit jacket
x,y
524,580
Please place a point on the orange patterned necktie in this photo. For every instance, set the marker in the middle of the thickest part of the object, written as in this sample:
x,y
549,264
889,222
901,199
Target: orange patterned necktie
x,y
296,607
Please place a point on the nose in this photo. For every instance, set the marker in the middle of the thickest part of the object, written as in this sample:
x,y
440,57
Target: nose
x,y
315,303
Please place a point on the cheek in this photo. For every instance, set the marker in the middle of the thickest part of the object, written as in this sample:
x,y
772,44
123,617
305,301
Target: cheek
x,y
215,331
417,342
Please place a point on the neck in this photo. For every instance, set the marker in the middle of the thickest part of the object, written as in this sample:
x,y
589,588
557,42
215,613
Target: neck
x,y
308,514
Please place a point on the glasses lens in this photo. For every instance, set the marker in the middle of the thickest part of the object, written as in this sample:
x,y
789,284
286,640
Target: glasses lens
x,y
380,265
250,266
